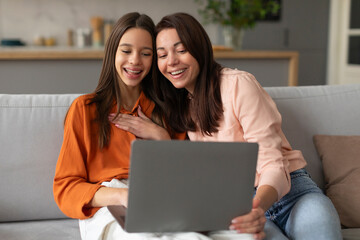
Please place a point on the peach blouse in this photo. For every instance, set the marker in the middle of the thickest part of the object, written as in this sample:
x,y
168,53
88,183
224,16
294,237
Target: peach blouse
x,y
251,115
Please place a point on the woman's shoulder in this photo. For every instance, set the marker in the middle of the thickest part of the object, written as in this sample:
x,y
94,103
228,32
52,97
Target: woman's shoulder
x,y
232,79
234,74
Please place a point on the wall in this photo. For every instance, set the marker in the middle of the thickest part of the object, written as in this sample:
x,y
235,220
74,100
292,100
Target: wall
x,y
303,26
26,19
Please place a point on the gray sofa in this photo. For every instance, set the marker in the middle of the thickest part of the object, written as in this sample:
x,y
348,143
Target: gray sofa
x,y
31,128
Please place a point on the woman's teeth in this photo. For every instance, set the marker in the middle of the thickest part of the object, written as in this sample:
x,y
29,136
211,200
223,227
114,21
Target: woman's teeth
x,y
177,72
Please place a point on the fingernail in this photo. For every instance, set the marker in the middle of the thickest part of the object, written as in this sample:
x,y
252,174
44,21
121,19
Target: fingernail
x,y
234,221
232,227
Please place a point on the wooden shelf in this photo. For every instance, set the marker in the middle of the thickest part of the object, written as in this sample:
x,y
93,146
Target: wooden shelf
x,y
89,53
292,56
50,53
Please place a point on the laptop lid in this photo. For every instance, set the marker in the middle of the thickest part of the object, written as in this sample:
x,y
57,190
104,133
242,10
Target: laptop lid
x,y
188,186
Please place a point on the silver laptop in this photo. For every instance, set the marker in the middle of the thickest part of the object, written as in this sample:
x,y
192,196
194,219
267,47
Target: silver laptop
x,y
177,186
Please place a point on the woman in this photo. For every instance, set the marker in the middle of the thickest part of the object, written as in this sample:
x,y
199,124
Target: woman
x,y
93,164
213,103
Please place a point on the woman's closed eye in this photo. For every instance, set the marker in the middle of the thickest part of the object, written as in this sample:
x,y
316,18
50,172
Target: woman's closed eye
x,y
161,54
182,51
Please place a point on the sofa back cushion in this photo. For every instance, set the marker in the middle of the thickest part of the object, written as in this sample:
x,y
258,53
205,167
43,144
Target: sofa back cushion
x,y
31,129
313,110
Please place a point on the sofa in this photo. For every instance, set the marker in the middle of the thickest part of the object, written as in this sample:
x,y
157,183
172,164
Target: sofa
x,y
31,128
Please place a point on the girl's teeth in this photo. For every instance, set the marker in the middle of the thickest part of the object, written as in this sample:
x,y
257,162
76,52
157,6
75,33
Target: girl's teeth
x,y
131,71
177,72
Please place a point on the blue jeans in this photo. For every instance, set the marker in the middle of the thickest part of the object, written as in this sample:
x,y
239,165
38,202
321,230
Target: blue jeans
x,y
304,213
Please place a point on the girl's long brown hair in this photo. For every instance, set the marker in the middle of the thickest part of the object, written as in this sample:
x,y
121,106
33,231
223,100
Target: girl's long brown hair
x,y
108,91
206,97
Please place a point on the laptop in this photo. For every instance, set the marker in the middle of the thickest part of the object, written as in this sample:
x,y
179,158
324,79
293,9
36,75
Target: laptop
x,y
181,186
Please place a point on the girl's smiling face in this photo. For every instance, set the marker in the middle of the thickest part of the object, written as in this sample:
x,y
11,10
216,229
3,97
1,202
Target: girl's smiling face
x,y
174,60
134,56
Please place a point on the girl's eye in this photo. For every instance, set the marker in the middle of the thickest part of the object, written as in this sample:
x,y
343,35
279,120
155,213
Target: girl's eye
x,y
182,51
126,51
147,54
162,56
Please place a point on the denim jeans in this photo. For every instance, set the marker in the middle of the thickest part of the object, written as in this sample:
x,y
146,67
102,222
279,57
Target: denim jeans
x,y
304,213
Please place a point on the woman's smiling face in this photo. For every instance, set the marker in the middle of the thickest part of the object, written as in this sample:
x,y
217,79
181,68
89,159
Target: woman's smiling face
x,y
174,60
134,56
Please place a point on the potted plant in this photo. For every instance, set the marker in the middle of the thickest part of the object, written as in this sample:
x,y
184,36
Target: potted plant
x,y
236,15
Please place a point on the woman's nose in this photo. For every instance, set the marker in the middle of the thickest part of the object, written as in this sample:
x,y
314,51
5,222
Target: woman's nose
x,y
172,60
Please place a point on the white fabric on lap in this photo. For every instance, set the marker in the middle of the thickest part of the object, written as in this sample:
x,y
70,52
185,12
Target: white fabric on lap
x,y
104,226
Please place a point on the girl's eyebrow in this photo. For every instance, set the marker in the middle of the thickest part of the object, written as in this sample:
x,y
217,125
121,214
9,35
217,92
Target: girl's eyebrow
x,y
130,45
162,48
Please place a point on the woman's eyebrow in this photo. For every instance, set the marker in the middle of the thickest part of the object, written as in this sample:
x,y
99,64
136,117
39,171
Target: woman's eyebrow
x,y
162,48
177,43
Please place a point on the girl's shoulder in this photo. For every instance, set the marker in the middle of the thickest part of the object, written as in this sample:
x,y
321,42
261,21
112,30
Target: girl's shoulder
x,y
83,100
81,104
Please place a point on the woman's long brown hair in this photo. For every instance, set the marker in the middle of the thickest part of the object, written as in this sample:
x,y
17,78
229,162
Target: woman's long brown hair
x,y
206,97
108,91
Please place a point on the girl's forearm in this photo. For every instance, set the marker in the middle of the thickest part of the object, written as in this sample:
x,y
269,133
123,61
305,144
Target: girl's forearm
x,y
106,196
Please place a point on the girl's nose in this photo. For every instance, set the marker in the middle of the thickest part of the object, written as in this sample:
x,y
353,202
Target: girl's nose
x,y
134,59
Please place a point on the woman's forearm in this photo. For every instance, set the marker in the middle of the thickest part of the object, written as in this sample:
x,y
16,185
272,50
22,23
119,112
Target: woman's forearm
x,y
267,196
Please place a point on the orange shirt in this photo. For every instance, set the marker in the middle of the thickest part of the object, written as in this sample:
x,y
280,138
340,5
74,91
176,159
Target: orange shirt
x,y
82,166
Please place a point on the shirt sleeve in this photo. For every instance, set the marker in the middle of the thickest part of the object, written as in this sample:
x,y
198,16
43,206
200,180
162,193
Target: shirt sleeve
x,y
72,191
261,123
180,136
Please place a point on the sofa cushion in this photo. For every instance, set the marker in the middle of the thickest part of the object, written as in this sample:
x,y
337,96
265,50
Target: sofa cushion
x,y
30,141
311,110
340,156
351,233
35,230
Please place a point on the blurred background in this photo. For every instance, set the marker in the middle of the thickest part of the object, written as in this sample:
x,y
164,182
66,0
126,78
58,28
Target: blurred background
x,y
303,27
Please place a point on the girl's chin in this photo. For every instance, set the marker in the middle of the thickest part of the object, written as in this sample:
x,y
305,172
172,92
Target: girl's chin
x,y
131,82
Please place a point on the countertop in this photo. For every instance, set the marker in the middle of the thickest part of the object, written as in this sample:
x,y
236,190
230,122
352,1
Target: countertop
x,y
58,52
97,53
63,52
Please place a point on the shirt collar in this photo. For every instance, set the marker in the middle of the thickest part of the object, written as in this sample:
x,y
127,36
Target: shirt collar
x,y
145,104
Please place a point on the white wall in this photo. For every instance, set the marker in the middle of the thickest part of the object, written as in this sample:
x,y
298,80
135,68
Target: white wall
x,y
27,18
305,21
